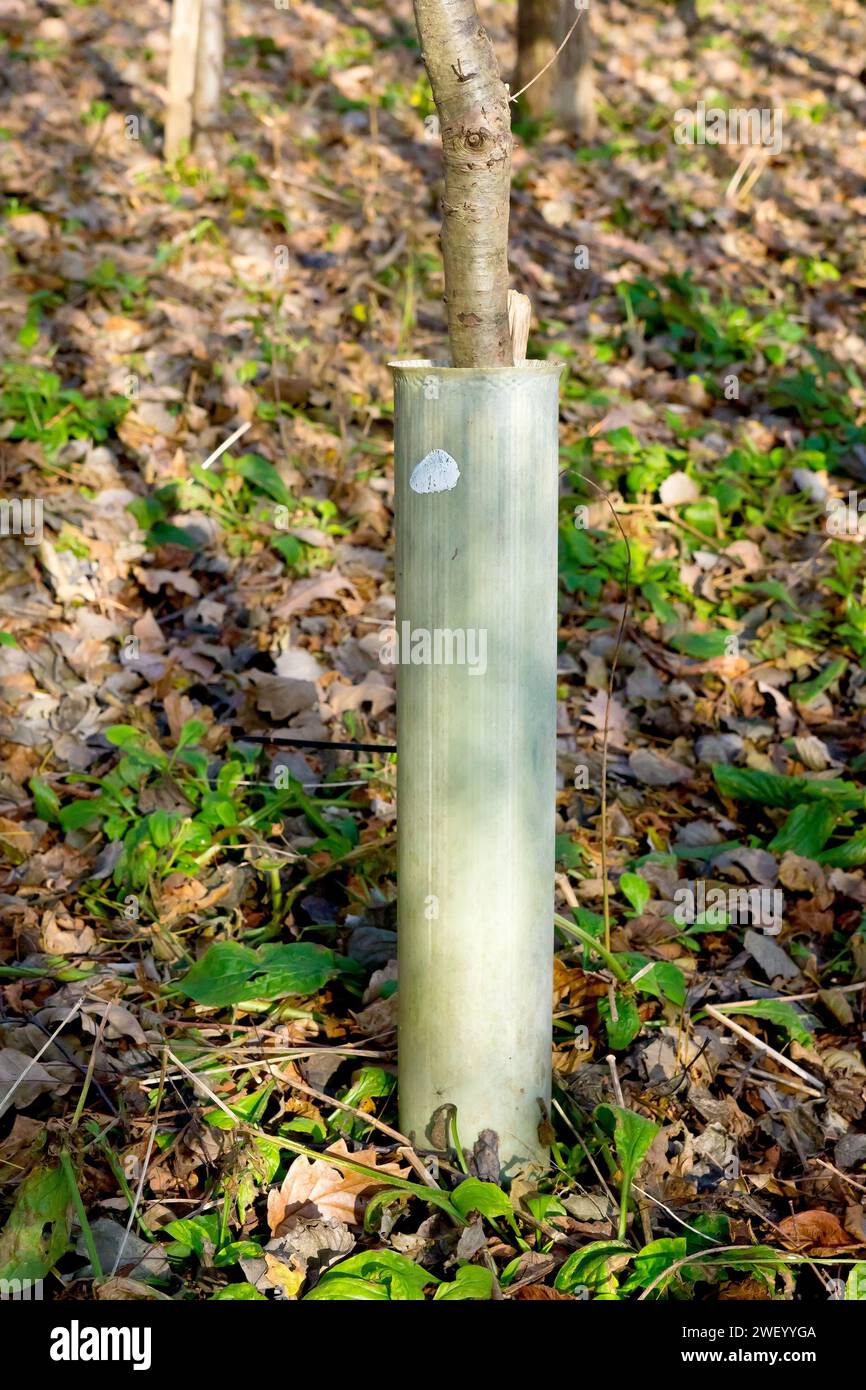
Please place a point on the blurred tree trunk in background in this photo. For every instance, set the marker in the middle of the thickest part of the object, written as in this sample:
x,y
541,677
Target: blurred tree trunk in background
x,y
688,13
209,67
566,91
185,20
195,68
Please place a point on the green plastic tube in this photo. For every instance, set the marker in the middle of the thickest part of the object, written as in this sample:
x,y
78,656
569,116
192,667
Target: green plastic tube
x,y
476,480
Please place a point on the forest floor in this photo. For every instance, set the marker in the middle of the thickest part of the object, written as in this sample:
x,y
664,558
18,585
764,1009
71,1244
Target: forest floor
x,y
179,898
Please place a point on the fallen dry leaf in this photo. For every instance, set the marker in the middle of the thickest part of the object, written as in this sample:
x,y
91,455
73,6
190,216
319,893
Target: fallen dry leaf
x,y
813,1230
315,1188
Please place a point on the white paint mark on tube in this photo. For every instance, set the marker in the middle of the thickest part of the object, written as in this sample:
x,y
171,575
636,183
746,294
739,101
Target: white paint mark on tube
x,y
437,472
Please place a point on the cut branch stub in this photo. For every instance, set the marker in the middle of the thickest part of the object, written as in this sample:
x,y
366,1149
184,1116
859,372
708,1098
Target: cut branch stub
x,y
475,121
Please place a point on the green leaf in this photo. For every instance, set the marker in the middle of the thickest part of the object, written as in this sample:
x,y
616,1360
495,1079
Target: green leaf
x,y
653,1259
289,547
804,692
333,1288
806,831
238,1291
218,810
250,1108
125,736
37,1232
472,1281
749,784
622,1030
192,732
229,973
636,890
403,1278
237,1250
45,800
704,516
367,1084
296,968
7,640
222,974
663,980
632,1136
164,533
28,334
161,826
855,1284
703,646
263,475
771,588
594,1268
712,1226
484,1197
777,1011
146,511
849,855
193,1232
77,814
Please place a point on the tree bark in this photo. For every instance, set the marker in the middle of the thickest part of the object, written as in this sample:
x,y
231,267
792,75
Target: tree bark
x,y
475,122
566,91
185,24
688,13
209,67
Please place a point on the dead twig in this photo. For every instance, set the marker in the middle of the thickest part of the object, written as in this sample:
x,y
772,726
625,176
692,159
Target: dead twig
x,y
761,1046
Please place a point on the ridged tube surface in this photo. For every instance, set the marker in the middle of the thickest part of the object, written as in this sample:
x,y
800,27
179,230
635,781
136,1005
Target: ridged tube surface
x,y
476,745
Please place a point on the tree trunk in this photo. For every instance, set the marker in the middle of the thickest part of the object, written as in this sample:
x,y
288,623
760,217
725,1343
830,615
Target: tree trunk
x,y
209,67
185,25
475,121
566,91
688,13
